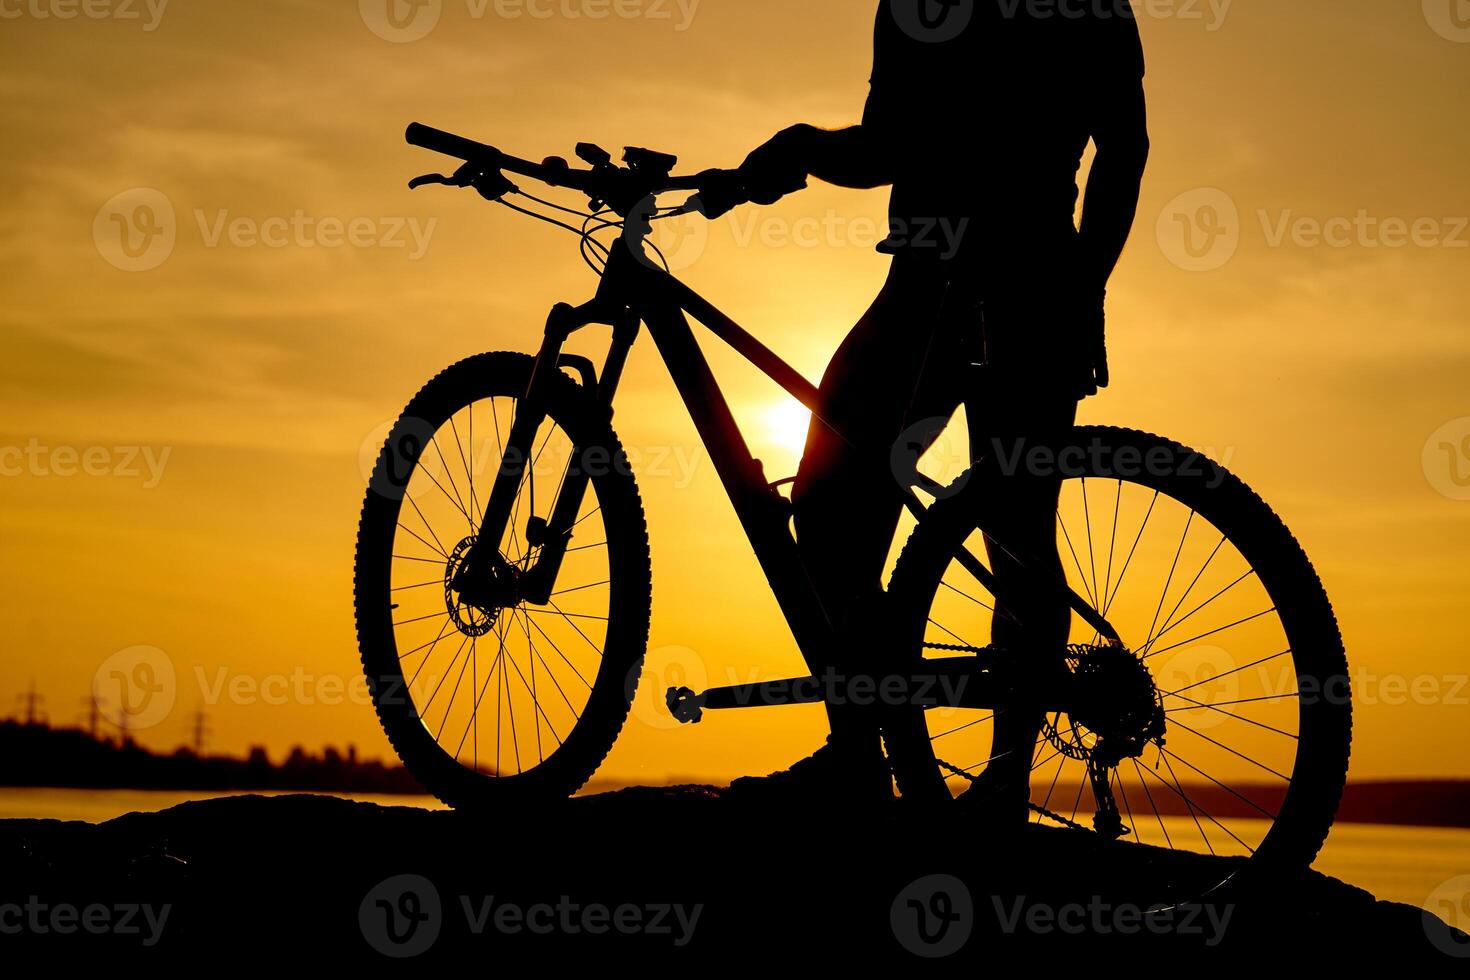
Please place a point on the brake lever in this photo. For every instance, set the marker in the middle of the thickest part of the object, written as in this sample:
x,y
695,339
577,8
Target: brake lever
x,y
426,179
491,184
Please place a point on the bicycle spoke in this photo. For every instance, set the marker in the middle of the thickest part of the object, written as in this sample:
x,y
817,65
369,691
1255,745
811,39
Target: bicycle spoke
x,y
1112,543
580,588
1131,552
1169,619
1234,752
1152,804
432,547
549,673
452,694
1091,555
1228,789
1077,561
1196,806
1229,626
1216,677
1170,580
560,654
1200,705
967,595
458,499
1188,803
420,585
1182,620
424,713
961,728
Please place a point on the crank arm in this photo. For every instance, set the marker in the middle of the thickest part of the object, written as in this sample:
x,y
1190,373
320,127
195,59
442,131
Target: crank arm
x,y
987,681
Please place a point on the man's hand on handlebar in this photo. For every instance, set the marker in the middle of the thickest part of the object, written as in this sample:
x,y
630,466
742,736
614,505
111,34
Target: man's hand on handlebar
x,y
769,173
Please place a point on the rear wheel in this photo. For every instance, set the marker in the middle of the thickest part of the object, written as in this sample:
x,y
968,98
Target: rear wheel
x,y
516,704
1213,597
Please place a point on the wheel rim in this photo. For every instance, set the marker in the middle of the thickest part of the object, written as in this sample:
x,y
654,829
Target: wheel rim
x,y
499,690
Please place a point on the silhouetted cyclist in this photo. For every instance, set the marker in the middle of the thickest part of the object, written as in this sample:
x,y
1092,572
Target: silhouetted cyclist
x,y
979,114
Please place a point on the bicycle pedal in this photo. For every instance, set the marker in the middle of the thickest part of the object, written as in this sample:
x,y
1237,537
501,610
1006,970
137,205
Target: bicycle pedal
x,y
686,706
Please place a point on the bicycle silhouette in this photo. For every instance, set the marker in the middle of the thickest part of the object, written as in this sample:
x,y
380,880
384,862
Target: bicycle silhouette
x,y
467,536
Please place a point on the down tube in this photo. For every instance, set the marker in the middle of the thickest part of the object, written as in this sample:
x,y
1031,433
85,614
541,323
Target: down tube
x,y
762,514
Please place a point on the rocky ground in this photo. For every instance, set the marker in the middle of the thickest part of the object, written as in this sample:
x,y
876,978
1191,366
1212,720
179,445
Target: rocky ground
x,y
643,877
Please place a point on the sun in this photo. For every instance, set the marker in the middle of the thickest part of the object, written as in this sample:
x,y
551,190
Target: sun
x,y
784,424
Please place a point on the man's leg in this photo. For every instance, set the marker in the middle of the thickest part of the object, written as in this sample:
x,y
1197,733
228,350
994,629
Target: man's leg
x,y
1007,415
847,503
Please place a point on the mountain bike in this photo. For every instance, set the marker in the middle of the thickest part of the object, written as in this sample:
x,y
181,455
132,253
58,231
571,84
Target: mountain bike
x,y
1201,704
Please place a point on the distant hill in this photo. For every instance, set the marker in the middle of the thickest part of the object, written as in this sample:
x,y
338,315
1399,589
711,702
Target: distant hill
x,y
35,755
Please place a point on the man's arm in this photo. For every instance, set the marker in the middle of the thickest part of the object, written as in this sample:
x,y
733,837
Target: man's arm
x,y
848,157
1113,188
1120,133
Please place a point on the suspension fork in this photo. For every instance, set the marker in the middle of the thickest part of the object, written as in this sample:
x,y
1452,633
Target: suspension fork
x,y
484,560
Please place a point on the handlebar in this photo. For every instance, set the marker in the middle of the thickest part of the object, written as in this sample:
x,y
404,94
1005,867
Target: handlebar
x,y
646,173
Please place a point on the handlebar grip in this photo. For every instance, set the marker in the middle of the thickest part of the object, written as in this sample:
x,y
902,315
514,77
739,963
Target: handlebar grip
x,y
449,144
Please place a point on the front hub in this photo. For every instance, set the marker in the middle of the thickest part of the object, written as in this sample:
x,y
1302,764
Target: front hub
x,y
475,598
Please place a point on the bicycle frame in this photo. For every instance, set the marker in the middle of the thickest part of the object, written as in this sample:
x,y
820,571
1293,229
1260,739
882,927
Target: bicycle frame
x,y
635,292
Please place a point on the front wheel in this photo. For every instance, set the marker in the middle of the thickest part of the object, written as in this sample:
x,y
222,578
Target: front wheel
x,y
1243,670
518,703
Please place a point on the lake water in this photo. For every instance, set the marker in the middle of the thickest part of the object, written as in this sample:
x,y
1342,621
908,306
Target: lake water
x,y
1424,866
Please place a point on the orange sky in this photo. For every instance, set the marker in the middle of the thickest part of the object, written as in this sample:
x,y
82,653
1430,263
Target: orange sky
x,y
230,393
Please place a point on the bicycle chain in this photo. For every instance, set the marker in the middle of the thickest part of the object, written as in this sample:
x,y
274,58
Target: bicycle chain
x,y
956,770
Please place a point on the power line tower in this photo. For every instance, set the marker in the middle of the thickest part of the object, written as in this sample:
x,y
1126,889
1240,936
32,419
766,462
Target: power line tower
x,y
199,730
94,716
32,700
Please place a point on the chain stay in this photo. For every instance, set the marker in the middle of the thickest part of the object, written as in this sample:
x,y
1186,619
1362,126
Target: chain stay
x,y
1108,809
